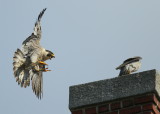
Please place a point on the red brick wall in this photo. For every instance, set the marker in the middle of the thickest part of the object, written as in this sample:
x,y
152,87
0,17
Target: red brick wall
x,y
144,104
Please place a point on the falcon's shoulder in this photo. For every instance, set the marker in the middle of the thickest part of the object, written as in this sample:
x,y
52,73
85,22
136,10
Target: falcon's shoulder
x,y
30,44
31,38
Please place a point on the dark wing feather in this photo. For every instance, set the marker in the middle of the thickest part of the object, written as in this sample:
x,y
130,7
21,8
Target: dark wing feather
x,y
134,59
37,27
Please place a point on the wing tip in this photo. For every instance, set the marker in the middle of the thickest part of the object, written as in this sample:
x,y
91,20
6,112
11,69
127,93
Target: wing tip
x,y
41,14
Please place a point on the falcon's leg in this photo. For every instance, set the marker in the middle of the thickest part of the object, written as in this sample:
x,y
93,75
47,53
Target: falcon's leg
x,y
40,66
43,63
43,68
36,67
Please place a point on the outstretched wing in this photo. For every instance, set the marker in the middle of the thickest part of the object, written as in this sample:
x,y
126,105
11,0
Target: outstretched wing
x,y
33,41
20,72
22,58
37,28
128,61
37,83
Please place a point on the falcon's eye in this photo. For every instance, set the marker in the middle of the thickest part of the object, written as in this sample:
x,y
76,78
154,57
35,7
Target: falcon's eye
x,y
48,55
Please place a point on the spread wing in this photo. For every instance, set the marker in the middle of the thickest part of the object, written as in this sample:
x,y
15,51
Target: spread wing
x,y
20,73
23,74
33,41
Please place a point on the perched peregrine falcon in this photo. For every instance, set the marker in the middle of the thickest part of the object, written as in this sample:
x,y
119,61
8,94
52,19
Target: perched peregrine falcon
x,y
28,62
130,65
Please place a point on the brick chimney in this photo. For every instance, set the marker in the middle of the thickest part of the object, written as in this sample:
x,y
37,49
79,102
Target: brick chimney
x,y
131,94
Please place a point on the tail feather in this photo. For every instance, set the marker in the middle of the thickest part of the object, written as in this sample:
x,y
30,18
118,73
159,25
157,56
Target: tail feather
x,y
37,84
123,71
37,27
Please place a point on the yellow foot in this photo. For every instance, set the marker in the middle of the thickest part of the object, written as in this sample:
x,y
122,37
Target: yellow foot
x,y
41,62
45,70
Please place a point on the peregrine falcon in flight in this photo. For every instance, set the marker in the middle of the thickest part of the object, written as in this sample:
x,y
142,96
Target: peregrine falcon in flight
x,y
130,65
28,62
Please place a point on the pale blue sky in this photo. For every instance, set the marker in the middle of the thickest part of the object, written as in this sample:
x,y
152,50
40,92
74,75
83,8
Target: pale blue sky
x,y
90,38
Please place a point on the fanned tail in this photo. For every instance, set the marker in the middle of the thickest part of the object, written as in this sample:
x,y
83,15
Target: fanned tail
x,y
37,83
37,27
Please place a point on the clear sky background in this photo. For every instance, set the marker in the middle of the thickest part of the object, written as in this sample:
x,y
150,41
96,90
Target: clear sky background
x,y
90,38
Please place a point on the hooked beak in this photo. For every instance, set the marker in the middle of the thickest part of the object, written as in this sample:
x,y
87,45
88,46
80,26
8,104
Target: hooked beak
x,y
52,56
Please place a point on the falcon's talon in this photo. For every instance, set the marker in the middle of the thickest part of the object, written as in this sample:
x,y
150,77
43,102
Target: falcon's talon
x,y
46,70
